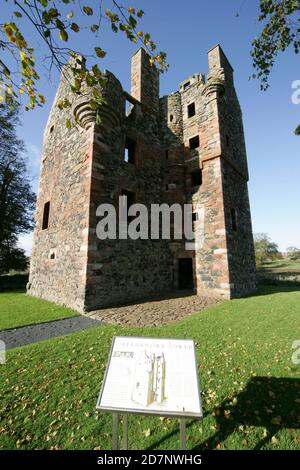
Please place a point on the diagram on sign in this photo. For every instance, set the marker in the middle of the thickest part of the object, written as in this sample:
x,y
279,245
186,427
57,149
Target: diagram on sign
x,y
151,375
149,379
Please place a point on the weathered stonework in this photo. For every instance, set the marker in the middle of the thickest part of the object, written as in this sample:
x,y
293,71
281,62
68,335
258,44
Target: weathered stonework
x,y
84,167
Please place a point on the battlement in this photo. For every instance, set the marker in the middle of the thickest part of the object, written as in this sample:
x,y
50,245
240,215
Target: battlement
x,y
196,79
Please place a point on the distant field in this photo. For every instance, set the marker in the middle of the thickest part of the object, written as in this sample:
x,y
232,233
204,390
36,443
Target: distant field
x,y
283,270
282,265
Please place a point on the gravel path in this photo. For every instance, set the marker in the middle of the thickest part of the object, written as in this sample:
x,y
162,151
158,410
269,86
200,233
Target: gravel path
x,y
162,310
33,333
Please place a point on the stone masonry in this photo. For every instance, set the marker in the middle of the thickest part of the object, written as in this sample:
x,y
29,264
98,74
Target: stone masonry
x,y
187,147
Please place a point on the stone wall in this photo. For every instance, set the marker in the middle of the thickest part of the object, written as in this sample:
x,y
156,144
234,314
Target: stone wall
x,y
120,271
58,259
240,247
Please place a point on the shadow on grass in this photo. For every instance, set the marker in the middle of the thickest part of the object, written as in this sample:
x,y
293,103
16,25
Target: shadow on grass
x,y
265,402
271,266
269,288
15,282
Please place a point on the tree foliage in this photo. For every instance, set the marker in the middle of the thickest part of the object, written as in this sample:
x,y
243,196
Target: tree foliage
x,y
265,249
55,24
13,258
281,30
16,196
293,252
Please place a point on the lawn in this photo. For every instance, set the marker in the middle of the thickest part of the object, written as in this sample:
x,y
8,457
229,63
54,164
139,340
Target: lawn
x,y
280,271
18,309
251,388
282,265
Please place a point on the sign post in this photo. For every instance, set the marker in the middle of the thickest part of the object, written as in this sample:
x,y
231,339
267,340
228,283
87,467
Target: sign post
x,y
182,433
125,431
150,376
115,431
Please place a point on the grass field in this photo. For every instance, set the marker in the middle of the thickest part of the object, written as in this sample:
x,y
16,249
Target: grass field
x,y
18,309
282,265
251,388
280,271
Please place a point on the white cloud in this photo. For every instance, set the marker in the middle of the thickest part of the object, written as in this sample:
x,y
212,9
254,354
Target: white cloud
x,y
25,242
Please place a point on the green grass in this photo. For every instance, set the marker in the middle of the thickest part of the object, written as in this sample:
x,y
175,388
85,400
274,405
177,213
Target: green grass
x,y
280,271
18,309
282,265
251,389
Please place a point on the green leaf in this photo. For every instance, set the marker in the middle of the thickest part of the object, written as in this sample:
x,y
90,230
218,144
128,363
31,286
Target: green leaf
x,y
42,98
96,70
132,21
100,52
46,17
53,13
63,35
88,10
75,27
60,24
18,14
90,80
93,104
77,84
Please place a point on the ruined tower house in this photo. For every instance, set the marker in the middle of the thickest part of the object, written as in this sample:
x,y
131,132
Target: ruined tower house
x,y
187,147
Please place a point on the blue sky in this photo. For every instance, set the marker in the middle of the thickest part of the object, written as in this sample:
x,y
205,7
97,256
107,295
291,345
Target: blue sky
x,y
186,30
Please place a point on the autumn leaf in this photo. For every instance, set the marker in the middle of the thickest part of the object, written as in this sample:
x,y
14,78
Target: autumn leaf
x,y
147,432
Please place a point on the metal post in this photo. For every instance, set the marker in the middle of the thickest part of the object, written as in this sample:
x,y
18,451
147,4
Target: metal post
x,y
182,433
115,431
125,431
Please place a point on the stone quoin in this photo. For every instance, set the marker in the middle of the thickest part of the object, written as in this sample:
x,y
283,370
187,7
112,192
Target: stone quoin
x,y
187,147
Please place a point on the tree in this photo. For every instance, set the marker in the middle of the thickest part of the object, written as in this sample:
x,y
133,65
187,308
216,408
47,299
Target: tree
x,y
281,30
16,196
55,23
293,252
13,258
265,249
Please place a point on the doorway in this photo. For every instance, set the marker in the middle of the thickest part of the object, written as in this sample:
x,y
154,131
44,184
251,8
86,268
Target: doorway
x,y
185,273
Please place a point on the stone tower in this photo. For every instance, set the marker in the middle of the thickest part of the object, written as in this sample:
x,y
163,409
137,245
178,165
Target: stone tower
x,y
187,147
